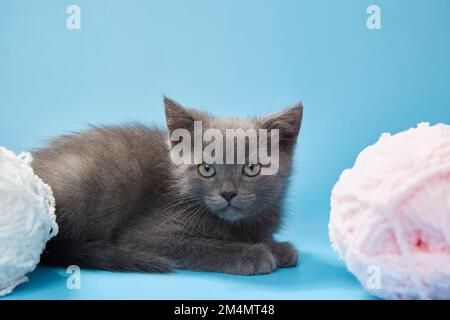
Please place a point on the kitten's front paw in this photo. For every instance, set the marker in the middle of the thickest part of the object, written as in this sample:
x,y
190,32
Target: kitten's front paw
x,y
286,254
255,259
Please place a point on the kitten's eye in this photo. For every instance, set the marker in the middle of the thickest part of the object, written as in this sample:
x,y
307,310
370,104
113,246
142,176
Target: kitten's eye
x,y
206,170
251,170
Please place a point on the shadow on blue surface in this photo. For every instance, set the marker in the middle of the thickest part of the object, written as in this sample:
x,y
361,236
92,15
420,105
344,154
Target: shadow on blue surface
x,y
316,277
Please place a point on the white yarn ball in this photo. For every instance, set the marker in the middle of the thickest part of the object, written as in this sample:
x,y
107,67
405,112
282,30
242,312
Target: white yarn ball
x,y
27,218
390,215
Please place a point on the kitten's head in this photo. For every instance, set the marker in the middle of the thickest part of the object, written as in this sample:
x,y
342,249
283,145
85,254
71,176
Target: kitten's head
x,y
234,191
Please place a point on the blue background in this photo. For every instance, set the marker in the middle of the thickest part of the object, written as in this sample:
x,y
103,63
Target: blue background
x,y
231,58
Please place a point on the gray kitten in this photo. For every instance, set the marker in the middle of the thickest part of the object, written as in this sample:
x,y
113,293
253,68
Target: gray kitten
x,y
123,205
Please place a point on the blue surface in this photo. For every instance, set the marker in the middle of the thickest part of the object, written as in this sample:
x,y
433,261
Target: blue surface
x,y
231,58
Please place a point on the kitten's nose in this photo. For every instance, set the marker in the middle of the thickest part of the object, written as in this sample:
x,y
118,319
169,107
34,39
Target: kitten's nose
x,y
228,195
227,190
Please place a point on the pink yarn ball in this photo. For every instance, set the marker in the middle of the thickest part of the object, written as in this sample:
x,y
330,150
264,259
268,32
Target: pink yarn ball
x,y
390,215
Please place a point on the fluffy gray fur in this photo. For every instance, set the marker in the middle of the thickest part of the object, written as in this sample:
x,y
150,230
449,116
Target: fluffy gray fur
x,y
123,205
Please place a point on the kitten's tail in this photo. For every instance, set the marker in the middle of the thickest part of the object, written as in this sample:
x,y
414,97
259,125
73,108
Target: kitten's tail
x,y
103,256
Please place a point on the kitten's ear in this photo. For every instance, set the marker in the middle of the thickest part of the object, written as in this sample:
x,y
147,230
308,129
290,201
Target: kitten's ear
x,y
178,117
288,122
